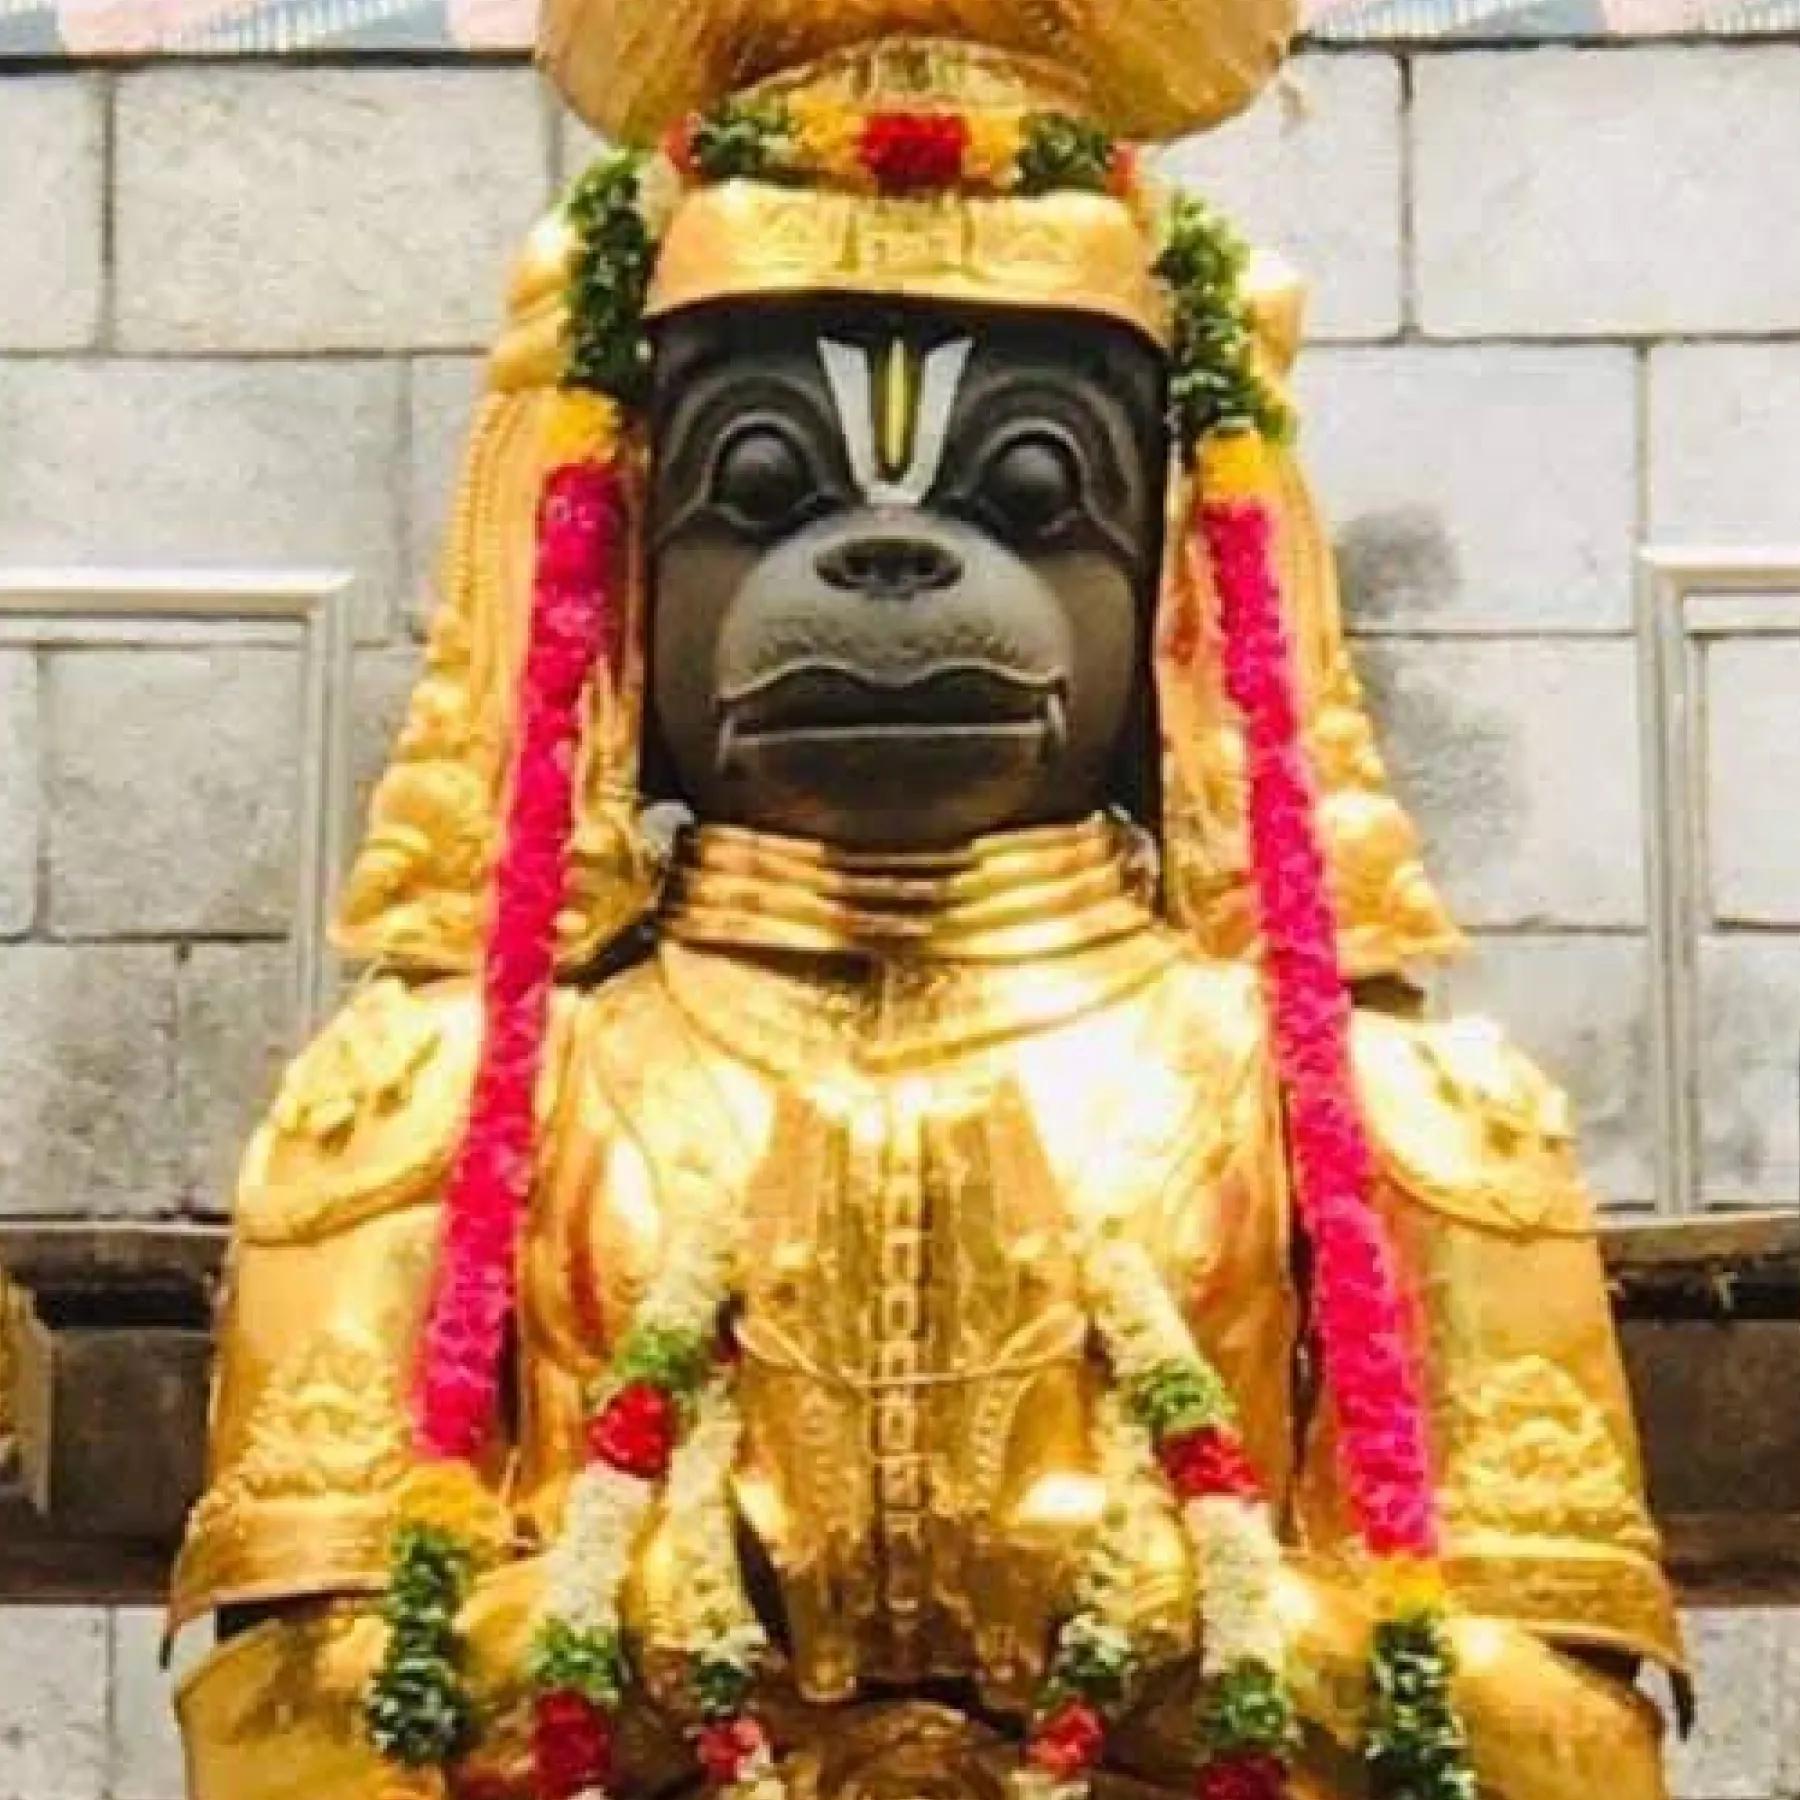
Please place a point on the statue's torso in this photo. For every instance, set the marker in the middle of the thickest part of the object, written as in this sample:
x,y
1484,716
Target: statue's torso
x,y
913,1147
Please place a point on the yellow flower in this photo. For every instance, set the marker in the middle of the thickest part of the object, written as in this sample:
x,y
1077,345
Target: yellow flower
x,y
450,1497
1234,466
992,158
1407,1586
582,427
829,135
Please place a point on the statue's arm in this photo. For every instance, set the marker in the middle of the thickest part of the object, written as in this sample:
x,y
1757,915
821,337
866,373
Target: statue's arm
x,y
1543,1723
334,1234
1538,1460
1549,1543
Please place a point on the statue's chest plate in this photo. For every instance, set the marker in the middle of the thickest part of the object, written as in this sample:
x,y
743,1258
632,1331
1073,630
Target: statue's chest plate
x,y
913,1366
914,1161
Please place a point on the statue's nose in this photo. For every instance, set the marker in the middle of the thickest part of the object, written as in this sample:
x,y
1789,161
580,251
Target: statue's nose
x,y
889,566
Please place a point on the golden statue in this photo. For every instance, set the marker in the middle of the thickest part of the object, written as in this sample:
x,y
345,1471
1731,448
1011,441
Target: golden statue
x,y
914,1279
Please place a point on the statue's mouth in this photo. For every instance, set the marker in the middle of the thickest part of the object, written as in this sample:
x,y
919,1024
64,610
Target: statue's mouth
x,y
826,703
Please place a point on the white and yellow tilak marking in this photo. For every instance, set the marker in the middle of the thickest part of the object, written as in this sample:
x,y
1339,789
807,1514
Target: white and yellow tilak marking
x,y
894,409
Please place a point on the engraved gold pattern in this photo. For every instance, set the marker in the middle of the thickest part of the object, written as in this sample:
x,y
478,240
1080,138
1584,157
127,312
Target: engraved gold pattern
x,y
1068,251
331,1423
416,896
305,1504
1529,1453
369,1066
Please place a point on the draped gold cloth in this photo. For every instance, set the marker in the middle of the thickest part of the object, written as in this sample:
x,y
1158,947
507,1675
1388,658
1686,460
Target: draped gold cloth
x,y
917,1077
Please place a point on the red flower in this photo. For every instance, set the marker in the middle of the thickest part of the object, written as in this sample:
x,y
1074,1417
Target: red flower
x,y
571,1745
1253,1777
725,1748
576,609
678,147
1068,1741
909,153
1372,1371
636,1432
1208,1461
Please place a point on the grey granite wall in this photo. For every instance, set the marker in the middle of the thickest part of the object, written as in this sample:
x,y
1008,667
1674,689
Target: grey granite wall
x,y
1557,315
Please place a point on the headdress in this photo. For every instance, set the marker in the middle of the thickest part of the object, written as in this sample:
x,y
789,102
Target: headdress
x,y
944,149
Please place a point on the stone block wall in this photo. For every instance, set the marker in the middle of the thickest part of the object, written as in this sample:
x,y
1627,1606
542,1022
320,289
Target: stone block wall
x,y
1557,315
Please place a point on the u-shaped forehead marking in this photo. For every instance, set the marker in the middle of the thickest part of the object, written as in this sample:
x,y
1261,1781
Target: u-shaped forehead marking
x,y
866,398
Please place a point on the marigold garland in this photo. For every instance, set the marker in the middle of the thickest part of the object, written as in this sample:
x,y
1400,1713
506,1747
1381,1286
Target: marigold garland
x,y
814,142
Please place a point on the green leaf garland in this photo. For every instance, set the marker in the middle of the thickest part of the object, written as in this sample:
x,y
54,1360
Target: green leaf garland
x,y
418,1711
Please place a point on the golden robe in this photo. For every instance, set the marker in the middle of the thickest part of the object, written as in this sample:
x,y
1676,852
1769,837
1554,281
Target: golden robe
x,y
918,1078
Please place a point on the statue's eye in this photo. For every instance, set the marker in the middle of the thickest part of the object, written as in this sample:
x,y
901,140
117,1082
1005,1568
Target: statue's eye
x,y
1033,485
762,478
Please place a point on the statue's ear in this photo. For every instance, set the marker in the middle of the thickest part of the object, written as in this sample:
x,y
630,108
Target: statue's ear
x,y
417,895
1390,912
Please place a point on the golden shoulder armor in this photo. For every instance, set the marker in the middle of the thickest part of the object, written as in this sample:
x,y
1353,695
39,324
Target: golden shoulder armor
x,y
1465,1123
368,1117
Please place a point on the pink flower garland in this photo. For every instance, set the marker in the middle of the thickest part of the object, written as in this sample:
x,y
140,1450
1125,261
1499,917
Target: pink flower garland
x,y
1369,1362
575,618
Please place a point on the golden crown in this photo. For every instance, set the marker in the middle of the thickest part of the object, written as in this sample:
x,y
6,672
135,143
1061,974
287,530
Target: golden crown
x,y
1146,69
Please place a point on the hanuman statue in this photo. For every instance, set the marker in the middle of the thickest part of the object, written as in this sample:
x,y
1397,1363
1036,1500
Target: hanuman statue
x,y
887,1221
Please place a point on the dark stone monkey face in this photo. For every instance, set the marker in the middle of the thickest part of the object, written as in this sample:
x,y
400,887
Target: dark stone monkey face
x,y
903,561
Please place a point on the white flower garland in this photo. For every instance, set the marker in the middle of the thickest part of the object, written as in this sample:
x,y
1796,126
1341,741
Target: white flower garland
x,y
1232,1535
718,1619
700,1267
1138,1319
1240,1557
588,1565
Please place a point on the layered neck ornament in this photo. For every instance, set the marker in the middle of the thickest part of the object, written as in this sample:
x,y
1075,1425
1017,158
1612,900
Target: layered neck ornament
x,y
663,1424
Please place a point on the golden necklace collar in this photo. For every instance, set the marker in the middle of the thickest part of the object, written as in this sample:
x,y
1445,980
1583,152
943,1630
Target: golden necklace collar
x,y
1011,897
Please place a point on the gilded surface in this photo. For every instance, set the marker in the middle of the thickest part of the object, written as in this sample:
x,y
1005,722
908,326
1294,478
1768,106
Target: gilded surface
x,y
1067,250
631,67
415,894
914,1133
